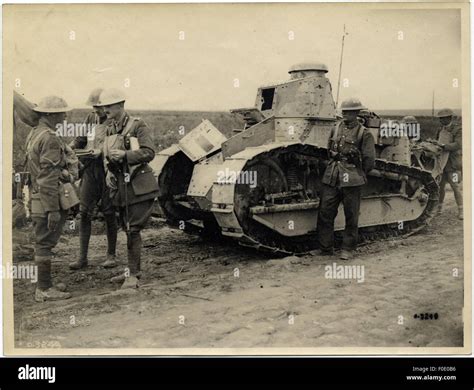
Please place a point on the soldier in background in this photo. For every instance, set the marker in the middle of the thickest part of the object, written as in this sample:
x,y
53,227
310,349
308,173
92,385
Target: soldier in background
x,y
128,149
94,190
412,127
47,164
450,139
351,156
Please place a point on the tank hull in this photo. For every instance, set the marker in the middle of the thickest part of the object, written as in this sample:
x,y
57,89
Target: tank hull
x,y
262,186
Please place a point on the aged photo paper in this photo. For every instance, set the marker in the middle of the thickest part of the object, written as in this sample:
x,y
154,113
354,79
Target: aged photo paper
x,y
236,179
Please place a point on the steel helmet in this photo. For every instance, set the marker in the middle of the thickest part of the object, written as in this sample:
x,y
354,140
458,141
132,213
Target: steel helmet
x,y
52,104
352,104
306,66
409,119
93,99
445,112
111,96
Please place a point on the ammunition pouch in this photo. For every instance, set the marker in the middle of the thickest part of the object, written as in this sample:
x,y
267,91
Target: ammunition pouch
x,y
67,196
35,205
353,158
456,160
143,180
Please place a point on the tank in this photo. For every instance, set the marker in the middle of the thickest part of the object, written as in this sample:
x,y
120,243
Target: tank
x,y
261,186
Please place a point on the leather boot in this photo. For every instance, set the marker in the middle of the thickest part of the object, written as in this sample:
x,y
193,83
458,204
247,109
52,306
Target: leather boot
x,y
134,245
78,264
320,252
111,229
110,262
43,264
85,228
460,213
50,294
134,252
346,255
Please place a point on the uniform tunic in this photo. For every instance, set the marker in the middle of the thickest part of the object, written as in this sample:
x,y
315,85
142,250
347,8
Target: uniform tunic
x,y
451,137
352,155
46,162
142,188
142,183
351,158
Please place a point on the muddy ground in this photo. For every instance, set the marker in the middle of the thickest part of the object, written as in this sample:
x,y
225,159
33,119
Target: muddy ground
x,y
197,293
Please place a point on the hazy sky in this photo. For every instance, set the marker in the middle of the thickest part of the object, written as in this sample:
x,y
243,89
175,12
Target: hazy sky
x,y
248,42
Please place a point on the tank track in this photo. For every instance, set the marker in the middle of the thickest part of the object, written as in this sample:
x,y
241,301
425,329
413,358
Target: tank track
x,y
368,234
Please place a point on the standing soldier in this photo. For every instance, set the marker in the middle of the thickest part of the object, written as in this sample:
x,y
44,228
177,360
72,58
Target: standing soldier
x,y
47,164
351,156
128,149
93,187
450,139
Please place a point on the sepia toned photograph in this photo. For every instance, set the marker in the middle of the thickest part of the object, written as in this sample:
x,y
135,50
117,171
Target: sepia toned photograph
x,y
236,179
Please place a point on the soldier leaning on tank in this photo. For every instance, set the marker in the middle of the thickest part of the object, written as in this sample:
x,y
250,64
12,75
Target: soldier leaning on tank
x,y
128,149
351,156
94,190
47,164
450,139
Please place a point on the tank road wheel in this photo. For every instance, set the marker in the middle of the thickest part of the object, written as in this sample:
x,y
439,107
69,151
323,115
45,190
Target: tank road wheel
x,y
173,183
269,171
278,184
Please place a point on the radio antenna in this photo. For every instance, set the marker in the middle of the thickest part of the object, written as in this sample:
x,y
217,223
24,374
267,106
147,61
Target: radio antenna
x,y
340,66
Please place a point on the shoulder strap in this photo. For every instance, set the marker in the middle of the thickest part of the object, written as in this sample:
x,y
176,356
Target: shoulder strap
x,y
335,131
360,134
128,126
31,141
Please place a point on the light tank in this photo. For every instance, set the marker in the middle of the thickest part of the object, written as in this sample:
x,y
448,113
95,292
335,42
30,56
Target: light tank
x,y
261,187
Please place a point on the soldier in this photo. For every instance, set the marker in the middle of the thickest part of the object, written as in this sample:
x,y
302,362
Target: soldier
x,y
47,164
128,149
450,139
351,156
411,126
93,187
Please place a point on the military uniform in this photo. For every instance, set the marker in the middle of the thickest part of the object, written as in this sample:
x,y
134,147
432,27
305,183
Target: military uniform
x,y
46,163
136,185
451,137
351,156
94,191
